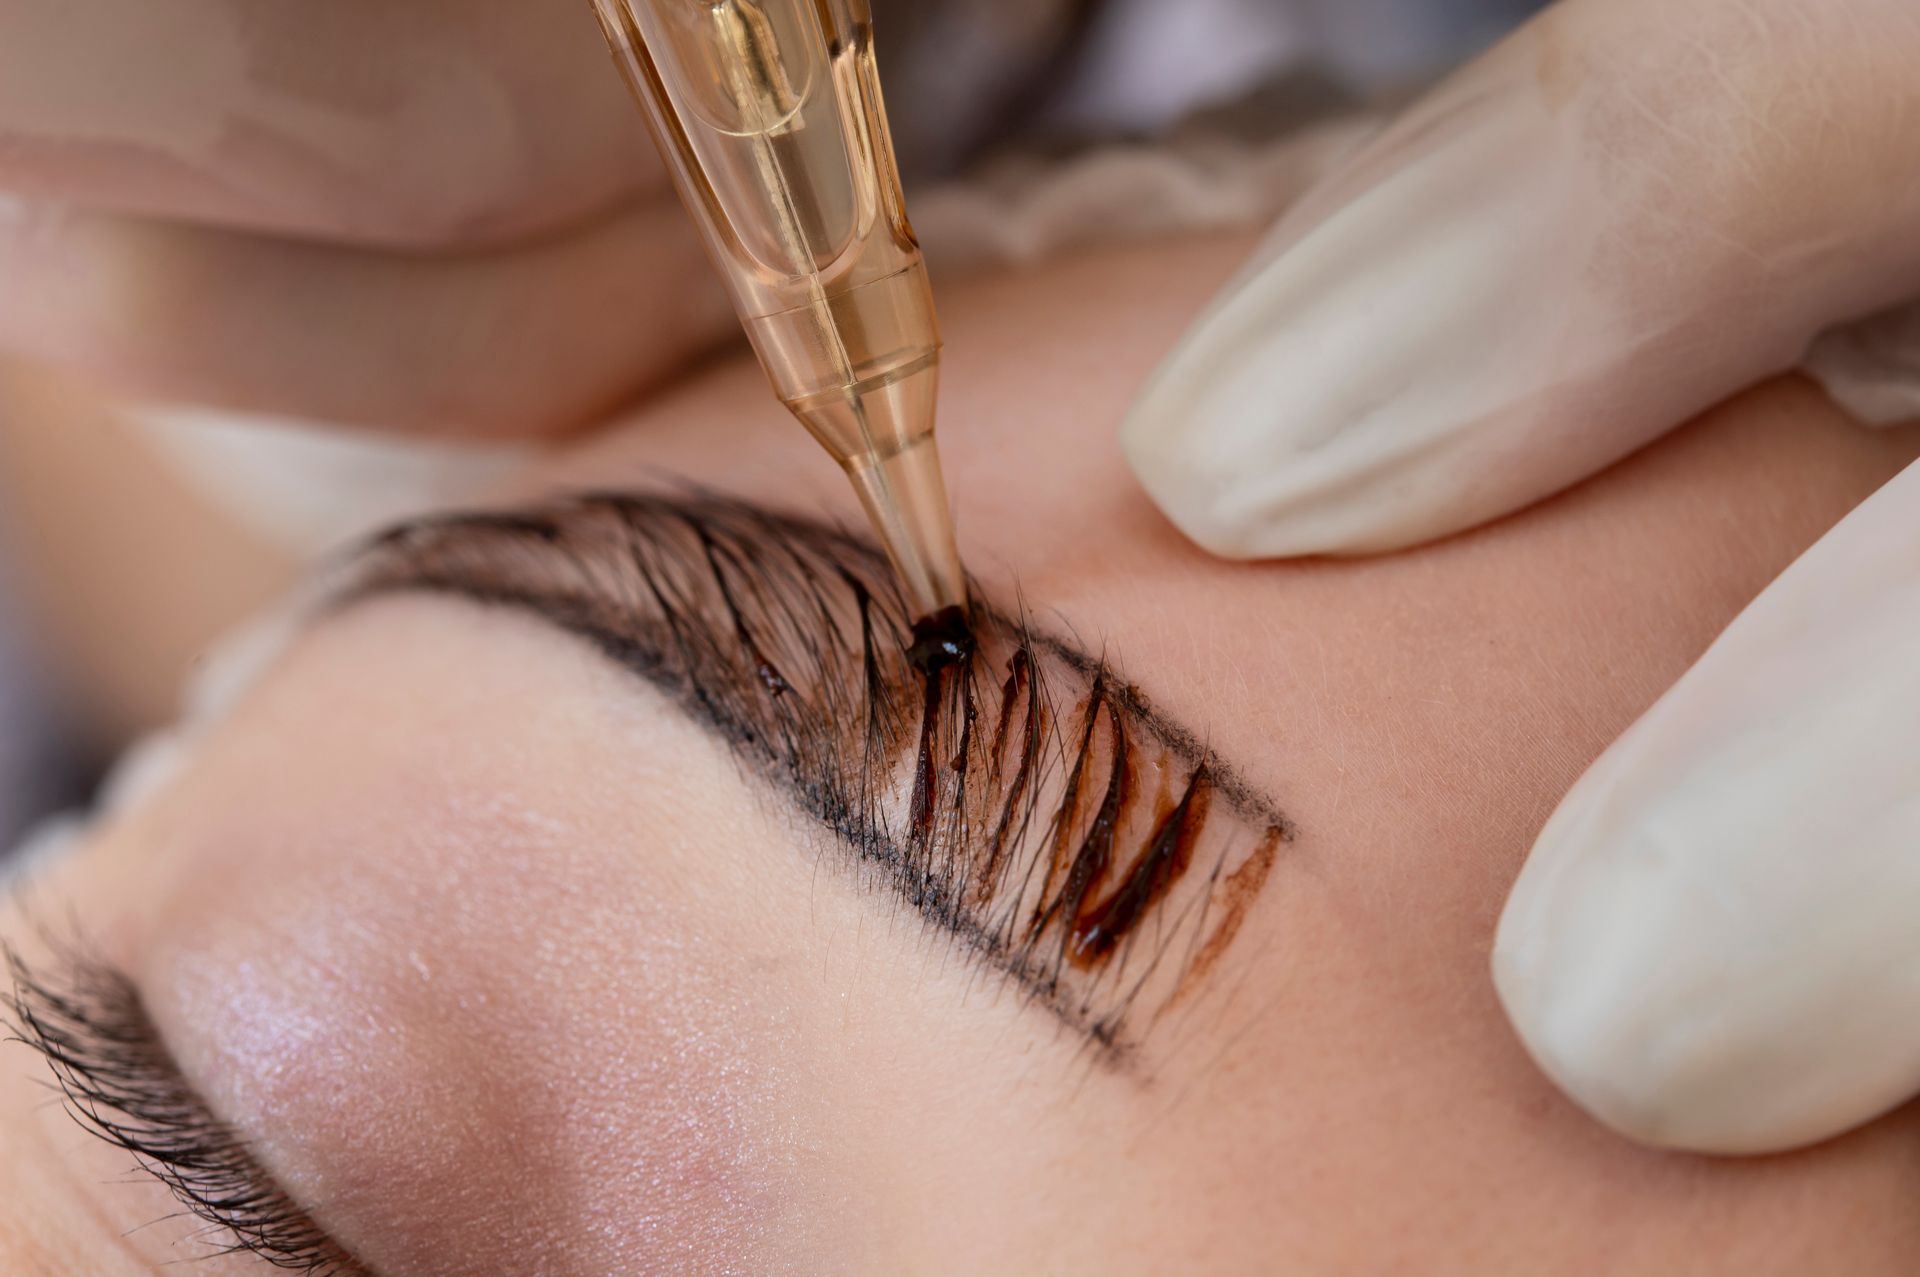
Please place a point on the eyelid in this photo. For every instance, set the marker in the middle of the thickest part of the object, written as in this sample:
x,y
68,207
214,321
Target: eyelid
x,y
120,1083
788,638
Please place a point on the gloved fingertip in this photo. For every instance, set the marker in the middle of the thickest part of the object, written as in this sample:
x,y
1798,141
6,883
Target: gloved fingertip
x,y
1712,945
1612,973
1373,380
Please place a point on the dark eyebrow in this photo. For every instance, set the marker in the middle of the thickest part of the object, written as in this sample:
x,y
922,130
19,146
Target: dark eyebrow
x,y
1026,799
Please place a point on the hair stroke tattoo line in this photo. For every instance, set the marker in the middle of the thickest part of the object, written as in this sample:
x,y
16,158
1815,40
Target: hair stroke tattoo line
x,y
1016,793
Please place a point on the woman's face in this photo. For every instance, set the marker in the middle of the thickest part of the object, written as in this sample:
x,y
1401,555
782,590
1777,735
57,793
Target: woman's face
x,y
577,895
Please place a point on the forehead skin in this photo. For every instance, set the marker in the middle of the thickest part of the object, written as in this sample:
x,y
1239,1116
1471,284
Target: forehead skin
x,y
1418,716
446,885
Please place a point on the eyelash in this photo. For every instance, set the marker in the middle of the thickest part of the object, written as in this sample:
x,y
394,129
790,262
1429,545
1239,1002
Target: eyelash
x,y
722,605
117,1081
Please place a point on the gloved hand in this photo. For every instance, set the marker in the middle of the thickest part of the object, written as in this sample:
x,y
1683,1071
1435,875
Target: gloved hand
x,y
442,214
1623,215
436,216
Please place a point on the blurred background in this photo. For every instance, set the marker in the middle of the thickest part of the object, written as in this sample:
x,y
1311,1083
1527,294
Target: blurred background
x,y
127,546
45,762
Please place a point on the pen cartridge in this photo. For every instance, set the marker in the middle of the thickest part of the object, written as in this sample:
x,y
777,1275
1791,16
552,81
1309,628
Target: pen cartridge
x,y
769,115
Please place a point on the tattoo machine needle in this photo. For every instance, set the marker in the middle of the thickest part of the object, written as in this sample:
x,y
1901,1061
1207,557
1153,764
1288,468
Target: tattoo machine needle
x,y
769,115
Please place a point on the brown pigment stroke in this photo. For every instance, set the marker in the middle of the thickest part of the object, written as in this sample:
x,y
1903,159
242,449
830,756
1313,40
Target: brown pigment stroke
x,y
789,640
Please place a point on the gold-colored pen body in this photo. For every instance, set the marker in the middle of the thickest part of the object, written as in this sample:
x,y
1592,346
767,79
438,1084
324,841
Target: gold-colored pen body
x,y
770,117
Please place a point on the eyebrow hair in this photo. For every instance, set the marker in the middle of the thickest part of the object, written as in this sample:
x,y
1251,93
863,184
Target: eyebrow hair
x,y
1025,799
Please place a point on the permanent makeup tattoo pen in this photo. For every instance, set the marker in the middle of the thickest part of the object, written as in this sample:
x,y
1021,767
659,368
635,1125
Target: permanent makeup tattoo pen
x,y
769,114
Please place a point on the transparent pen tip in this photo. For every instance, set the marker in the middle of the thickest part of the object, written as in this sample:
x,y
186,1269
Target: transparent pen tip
x,y
882,434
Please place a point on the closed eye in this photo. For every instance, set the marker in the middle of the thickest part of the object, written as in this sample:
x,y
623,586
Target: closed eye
x,y
119,1082
1026,800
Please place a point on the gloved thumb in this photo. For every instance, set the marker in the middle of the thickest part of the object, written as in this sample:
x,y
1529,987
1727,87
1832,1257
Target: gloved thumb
x,y
1716,942
1624,214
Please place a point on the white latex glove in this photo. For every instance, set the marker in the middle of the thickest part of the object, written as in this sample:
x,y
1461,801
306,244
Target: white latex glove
x,y
435,214
1626,213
